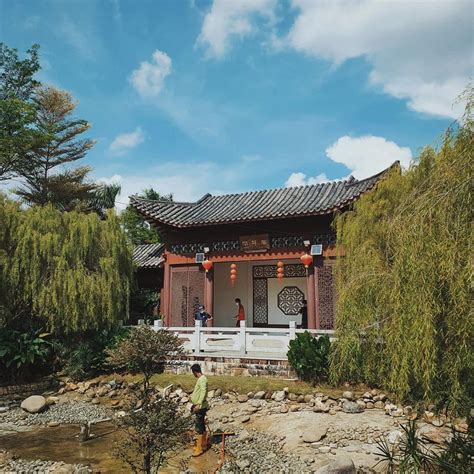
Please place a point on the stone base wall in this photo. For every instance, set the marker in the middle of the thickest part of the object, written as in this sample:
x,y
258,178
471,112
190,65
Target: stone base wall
x,y
233,366
29,388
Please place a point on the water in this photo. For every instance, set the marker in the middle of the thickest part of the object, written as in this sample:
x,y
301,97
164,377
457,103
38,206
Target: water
x,y
62,444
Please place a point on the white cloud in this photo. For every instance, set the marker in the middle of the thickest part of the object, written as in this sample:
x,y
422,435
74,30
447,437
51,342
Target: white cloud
x,y
126,141
228,19
300,179
149,78
367,155
419,51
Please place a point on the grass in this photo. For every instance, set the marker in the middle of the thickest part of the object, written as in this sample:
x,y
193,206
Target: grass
x,y
242,384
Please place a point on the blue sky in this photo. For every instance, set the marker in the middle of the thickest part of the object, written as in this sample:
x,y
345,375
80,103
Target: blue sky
x,y
235,95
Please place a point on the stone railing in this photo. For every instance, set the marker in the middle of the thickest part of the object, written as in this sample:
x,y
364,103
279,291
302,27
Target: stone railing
x,y
241,341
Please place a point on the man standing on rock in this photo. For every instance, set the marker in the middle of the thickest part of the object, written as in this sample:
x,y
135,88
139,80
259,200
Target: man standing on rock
x,y
199,408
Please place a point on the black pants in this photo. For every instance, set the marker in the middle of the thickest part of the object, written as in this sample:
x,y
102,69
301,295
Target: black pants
x,y
200,424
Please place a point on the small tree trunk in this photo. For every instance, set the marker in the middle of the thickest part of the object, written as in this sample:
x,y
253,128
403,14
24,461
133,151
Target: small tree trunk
x,y
147,462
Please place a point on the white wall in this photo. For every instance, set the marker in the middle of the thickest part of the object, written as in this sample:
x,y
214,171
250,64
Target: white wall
x,y
225,294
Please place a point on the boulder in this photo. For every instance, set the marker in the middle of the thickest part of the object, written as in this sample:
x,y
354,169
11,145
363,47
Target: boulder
x,y
293,397
34,404
315,434
242,398
245,419
432,434
379,404
308,398
259,395
294,408
279,396
217,392
340,465
210,394
284,409
351,407
348,395
394,436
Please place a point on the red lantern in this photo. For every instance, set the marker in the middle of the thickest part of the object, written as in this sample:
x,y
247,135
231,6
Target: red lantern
x,y
306,259
233,273
280,271
207,265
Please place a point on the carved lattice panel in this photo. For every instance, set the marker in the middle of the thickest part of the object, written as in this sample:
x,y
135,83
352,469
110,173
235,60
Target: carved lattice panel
x,y
327,297
187,292
290,300
270,271
260,301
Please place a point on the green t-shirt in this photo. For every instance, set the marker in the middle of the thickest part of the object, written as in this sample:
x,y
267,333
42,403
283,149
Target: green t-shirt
x,y
199,395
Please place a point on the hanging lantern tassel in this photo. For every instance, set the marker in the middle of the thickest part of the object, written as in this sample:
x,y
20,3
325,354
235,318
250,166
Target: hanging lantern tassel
x,y
233,274
306,260
280,271
207,265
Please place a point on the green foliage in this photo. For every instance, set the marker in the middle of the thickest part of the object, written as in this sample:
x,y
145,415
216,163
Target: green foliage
x,y
21,352
137,229
84,354
151,435
17,110
411,454
61,145
309,356
144,351
68,271
142,303
404,318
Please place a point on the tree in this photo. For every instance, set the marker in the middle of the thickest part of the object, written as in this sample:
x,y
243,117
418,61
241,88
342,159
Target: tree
x,y
60,145
158,428
137,229
66,272
17,110
404,312
150,435
144,351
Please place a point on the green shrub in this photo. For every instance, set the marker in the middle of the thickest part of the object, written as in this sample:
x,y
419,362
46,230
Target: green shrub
x,y
22,354
309,356
84,354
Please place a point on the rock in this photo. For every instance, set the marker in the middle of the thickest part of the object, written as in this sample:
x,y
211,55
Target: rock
x,y
320,408
3,409
292,397
284,409
382,397
53,424
408,410
432,434
379,405
243,463
34,404
242,398
348,395
258,403
374,392
245,419
95,401
211,394
369,405
279,396
217,392
361,403
367,395
397,413
244,436
104,390
315,434
259,395
389,407
438,422
394,436
300,399
351,407
294,408
308,398
324,449
461,427
52,400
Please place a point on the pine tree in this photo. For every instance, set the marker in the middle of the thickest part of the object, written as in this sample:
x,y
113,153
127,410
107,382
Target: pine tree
x,y
61,146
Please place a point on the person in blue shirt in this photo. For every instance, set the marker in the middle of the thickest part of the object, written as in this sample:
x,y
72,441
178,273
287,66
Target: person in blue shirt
x,y
202,315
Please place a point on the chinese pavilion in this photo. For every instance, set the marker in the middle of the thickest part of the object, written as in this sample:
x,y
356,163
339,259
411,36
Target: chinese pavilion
x,y
248,246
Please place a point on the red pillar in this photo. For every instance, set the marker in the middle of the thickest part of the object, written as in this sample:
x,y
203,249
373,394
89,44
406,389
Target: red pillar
x,y
165,303
209,295
311,292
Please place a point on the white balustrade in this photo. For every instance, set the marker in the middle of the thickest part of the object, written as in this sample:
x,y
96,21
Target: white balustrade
x,y
239,341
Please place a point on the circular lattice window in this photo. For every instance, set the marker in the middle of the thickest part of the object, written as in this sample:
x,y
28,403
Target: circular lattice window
x,y
290,300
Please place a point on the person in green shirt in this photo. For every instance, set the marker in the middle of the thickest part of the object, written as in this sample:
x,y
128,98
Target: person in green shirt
x,y
199,408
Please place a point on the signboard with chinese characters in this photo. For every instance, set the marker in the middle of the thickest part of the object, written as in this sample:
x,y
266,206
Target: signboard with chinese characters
x,y
255,243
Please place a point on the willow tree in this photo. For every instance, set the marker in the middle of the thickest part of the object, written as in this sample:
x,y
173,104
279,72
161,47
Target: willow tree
x,y
65,271
404,317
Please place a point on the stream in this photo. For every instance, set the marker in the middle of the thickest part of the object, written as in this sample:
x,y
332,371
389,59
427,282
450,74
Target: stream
x,y
62,443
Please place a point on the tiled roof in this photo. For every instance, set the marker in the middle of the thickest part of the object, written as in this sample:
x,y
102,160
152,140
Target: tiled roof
x,y
148,255
257,205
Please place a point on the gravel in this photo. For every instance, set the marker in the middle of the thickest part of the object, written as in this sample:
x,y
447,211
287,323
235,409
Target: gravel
x,y
37,466
254,452
64,413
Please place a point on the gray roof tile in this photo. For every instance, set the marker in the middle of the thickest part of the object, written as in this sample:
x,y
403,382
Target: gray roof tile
x,y
148,255
257,205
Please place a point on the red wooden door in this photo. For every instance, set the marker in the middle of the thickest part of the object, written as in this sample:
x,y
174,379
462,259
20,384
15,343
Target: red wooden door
x,y
187,292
